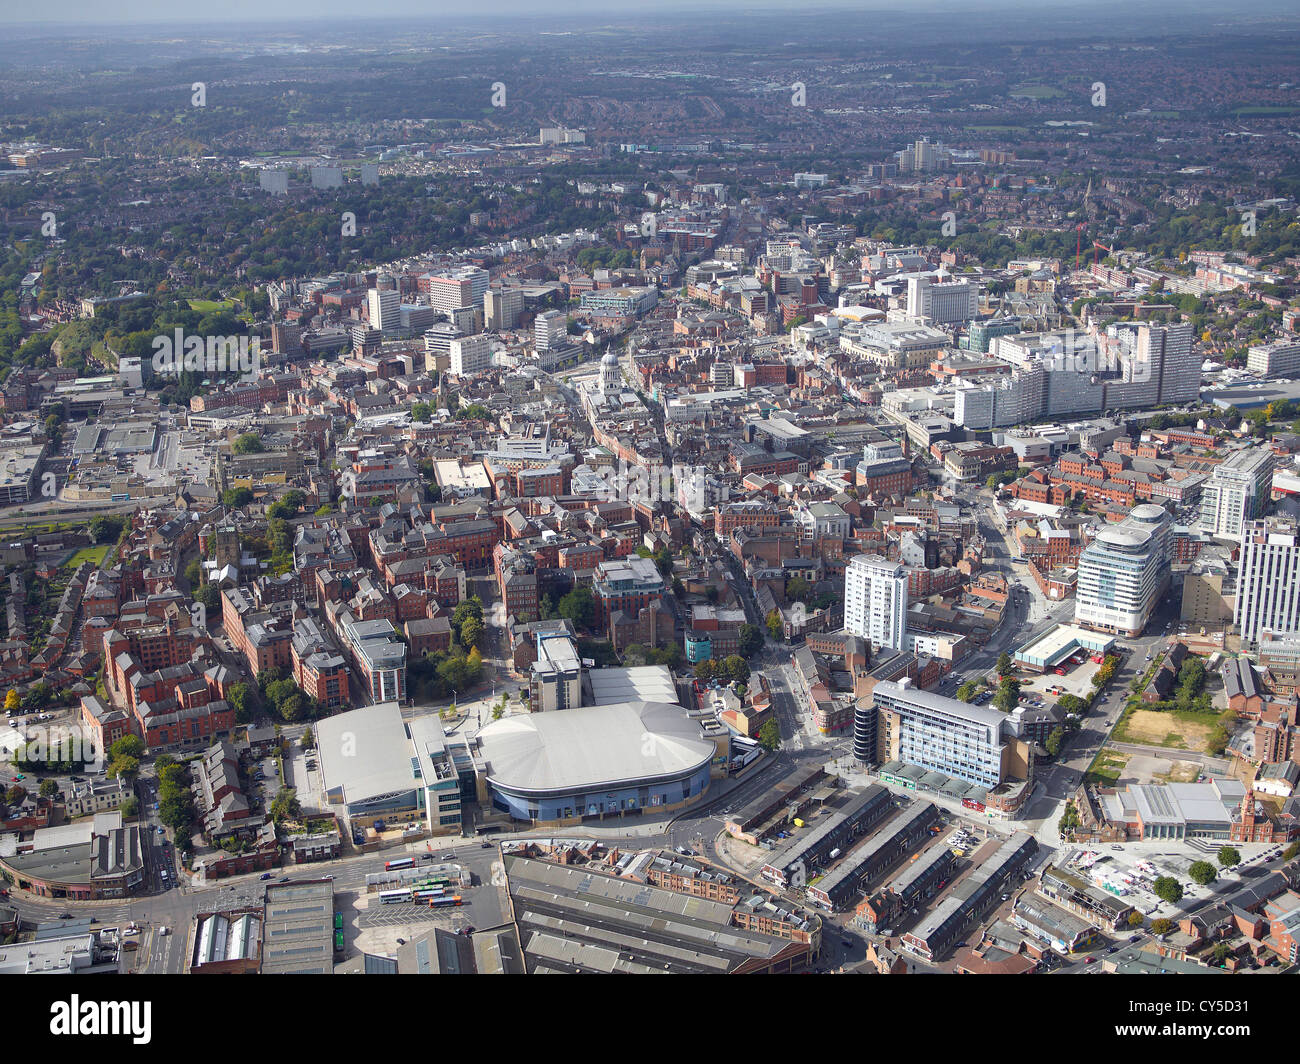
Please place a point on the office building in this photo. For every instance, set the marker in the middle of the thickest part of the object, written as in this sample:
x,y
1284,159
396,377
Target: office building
x,y
326,177
875,600
274,181
502,307
437,345
1268,580
385,307
942,735
453,289
1280,359
556,681
470,354
1237,491
941,302
550,329
1124,572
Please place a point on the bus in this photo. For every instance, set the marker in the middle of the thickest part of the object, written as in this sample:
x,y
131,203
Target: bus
x,y
401,862
338,941
446,899
338,921
395,897
429,895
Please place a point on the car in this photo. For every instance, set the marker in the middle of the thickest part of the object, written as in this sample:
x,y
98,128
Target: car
x,y
1112,949
265,876
163,873
65,916
449,856
1090,960
1135,938
401,942
468,929
284,879
485,846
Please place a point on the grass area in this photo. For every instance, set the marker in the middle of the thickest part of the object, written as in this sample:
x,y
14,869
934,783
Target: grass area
x,y
1266,110
1106,767
207,306
89,554
1178,729
998,129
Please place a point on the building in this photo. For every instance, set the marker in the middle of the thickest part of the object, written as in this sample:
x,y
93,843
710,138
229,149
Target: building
x,y
599,761
943,735
1268,580
550,330
376,766
941,302
453,290
298,928
385,308
802,859
556,680
1123,572
1279,359
502,308
1238,490
468,355
875,600
627,585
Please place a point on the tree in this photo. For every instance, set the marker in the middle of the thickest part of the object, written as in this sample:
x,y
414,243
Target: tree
x,y
15,795
309,740
706,670
12,701
1228,856
735,667
106,528
775,628
751,640
471,632
421,412
1161,926
1135,919
1053,742
130,807
1008,696
48,788
1167,888
797,589
579,607
248,443
127,746
1202,873
769,735
1220,954
966,691
285,805
294,707
241,698
1004,663
234,498
125,767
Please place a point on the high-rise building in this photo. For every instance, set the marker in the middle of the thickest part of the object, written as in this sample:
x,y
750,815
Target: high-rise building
x,y
453,289
1280,359
276,181
875,600
385,308
437,345
470,354
939,734
1237,491
1123,573
1268,579
943,302
502,307
326,177
550,328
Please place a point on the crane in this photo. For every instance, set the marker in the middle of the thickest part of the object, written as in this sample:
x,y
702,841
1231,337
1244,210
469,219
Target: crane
x,y
1098,244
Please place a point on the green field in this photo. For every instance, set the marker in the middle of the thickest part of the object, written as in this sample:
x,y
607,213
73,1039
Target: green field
x,y
207,306
89,554
1037,92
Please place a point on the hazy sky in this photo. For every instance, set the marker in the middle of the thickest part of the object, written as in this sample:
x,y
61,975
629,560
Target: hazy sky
x,y
174,11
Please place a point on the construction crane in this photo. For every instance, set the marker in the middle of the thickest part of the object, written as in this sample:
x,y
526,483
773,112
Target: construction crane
x,y
1097,244
1078,245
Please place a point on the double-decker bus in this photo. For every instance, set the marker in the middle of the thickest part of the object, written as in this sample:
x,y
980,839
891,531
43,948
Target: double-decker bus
x,y
401,862
446,899
428,895
395,897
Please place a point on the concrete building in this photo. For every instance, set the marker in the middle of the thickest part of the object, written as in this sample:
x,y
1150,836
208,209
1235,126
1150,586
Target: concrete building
x,y
468,355
556,681
941,302
1238,490
1123,573
875,600
385,308
1268,580
1279,359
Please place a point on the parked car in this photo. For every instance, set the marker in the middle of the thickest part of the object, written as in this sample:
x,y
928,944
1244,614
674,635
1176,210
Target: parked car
x,y
265,876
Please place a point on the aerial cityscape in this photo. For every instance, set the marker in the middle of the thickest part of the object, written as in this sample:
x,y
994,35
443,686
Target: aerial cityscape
x,y
705,490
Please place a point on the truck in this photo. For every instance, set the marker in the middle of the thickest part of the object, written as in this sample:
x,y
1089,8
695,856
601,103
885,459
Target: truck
x,y
835,853
798,823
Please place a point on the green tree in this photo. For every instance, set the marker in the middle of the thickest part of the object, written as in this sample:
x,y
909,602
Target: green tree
x,y
124,767
421,412
1053,742
285,806
966,691
1004,664
775,627
1229,855
706,670
48,789
751,640
579,607
471,632
1135,919
130,807
1220,954
248,443
15,795
106,528
309,740
1161,926
1202,873
1008,695
769,735
241,698
127,746
1167,888
736,668
234,498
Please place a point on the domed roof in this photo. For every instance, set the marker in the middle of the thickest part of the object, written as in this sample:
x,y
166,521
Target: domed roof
x,y
610,359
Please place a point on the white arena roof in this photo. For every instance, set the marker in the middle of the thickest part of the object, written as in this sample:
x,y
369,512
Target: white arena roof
x,y
592,747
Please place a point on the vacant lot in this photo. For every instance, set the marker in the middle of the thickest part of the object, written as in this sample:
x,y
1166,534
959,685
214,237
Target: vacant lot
x,y
89,554
1179,731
